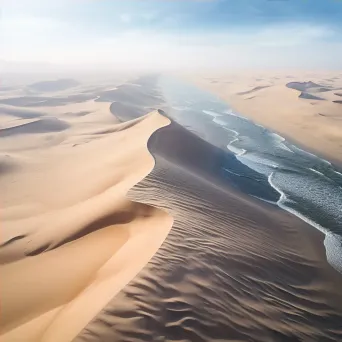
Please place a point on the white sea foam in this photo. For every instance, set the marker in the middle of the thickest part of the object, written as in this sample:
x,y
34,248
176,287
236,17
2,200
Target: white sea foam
x,y
238,151
319,173
339,173
280,140
261,168
219,122
260,160
277,136
211,113
332,253
232,130
264,200
233,173
311,155
237,115
228,111
284,147
332,242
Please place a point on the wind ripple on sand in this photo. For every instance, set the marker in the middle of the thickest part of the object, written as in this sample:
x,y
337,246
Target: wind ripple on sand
x,y
61,265
230,268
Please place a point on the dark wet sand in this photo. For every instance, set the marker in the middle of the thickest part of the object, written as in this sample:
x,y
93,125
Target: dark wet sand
x,y
231,268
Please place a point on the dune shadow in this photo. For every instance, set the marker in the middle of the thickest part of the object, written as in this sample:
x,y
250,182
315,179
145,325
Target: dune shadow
x,y
43,125
52,86
42,101
252,90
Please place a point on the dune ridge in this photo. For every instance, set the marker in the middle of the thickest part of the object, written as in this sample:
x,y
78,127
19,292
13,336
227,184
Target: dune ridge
x,y
231,268
120,230
63,260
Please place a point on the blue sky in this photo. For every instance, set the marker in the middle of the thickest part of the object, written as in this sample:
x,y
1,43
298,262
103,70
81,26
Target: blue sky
x,y
174,33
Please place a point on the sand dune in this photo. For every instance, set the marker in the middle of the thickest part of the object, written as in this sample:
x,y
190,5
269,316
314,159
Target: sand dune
x,y
128,94
252,90
231,269
306,110
31,101
308,96
53,86
20,112
43,125
71,205
308,86
126,110
7,164
82,121
119,226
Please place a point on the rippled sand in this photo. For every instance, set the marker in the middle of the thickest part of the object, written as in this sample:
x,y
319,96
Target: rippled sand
x,y
231,269
76,251
70,238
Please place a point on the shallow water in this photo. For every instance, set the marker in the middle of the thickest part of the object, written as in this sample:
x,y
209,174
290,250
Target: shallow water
x,y
264,164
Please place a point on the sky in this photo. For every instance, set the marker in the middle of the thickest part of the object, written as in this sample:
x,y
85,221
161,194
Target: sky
x,y
172,34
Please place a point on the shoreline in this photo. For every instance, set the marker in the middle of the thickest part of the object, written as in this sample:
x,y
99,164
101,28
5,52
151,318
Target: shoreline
x,y
289,138
133,231
214,108
247,109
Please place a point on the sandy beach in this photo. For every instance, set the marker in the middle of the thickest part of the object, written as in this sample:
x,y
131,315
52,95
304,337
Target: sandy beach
x,y
118,223
302,106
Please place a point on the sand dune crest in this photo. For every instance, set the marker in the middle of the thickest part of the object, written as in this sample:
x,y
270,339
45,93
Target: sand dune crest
x,y
68,258
231,268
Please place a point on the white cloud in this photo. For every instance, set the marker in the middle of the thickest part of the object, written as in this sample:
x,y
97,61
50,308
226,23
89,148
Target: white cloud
x,y
149,16
125,18
128,18
292,34
277,47
33,39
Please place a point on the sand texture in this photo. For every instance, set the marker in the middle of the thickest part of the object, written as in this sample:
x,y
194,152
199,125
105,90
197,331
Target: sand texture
x,y
119,224
229,270
70,238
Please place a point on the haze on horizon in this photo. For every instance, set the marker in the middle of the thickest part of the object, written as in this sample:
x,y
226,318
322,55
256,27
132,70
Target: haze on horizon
x,y
104,34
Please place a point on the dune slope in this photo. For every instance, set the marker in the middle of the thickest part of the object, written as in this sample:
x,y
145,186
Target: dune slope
x,y
70,237
231,268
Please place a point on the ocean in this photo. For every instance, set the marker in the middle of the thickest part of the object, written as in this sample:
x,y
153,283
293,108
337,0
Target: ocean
x,y
263,164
